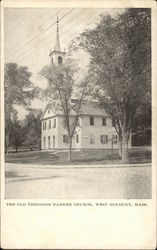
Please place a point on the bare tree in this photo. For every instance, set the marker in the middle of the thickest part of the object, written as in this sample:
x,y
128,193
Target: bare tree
x,y
61,91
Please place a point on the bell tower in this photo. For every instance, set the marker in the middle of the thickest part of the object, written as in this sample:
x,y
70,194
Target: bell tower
x,y
57,55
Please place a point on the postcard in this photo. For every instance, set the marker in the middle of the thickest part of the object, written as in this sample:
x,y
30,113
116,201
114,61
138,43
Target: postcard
x,y
78,124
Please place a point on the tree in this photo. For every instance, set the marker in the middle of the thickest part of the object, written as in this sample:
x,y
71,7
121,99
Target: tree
x,y
32,128
16,135
62,88
120,56
19,90
32,140
141,128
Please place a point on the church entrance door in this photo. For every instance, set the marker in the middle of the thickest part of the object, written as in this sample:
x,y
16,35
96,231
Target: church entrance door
x,y
53,141
49,142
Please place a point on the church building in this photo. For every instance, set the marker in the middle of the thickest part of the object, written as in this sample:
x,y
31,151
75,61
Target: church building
x,y
95,128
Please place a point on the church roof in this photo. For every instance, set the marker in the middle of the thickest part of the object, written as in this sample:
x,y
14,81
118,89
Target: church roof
x,y
91,108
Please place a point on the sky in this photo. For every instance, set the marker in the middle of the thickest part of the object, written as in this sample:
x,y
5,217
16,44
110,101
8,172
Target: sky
x,y
30,33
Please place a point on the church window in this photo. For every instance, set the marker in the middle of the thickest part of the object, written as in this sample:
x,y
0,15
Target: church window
x,y
50,124
91,120
45,126
54,123
104,121
59,60
65,139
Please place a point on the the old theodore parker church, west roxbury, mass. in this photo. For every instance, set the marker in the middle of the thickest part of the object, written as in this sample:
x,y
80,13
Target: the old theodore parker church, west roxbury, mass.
x,y
95,128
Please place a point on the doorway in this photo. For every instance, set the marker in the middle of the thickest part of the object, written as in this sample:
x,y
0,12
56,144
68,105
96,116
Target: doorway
x,y
44,142
49,142
53,141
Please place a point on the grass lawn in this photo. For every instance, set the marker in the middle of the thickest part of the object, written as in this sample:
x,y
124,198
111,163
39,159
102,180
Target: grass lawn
x,y
93,156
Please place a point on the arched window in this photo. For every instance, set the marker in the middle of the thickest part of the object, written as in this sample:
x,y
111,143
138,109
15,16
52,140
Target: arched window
x,y
59,60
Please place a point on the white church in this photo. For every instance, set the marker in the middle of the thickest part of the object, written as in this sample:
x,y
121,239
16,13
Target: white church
x,y
95,128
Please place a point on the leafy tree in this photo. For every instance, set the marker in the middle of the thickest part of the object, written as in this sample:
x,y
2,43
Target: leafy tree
x,y
16,135
19,90
120,57
141,129
32,140
62,88
32,128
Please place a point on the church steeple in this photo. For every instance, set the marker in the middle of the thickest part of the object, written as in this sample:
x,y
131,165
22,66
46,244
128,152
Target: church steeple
x,y
57,55
57,45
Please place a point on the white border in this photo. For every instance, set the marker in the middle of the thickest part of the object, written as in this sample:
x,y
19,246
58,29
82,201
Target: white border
x,y
120,228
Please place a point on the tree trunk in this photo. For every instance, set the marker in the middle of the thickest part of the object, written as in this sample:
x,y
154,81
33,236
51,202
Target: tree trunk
x,y
125,138
6,143
69,150
120,145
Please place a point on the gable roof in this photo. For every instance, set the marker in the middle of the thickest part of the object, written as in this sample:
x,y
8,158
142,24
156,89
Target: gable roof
x,y
91,108
50,107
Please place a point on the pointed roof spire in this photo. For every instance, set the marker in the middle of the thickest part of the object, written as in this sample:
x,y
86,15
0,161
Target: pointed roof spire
x,y
57,45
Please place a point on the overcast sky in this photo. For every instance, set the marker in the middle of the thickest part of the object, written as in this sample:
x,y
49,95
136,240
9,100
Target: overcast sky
x,y
29,34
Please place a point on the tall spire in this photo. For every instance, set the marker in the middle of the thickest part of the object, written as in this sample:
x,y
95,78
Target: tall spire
x,y
57,45
57,55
